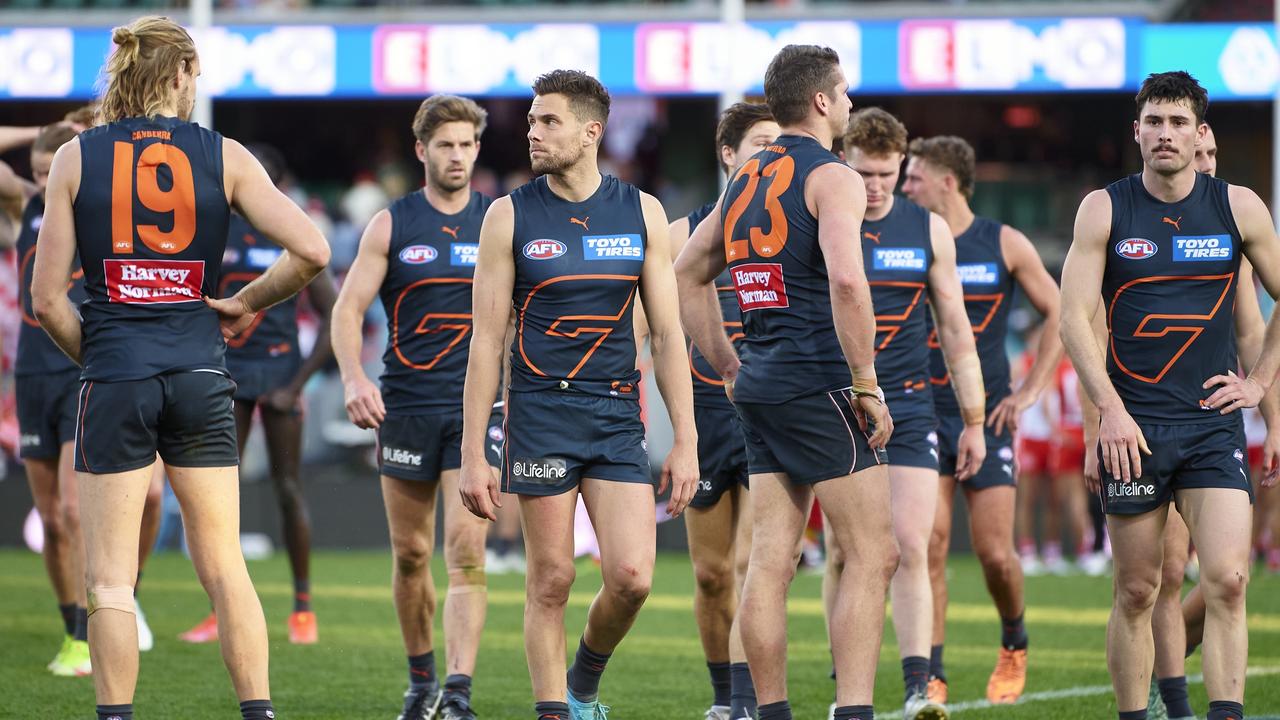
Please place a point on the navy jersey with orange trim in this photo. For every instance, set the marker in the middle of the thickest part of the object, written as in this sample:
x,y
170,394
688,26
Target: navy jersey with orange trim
x,y
897,252
789,348
988,293
1170,291
151,226
37,354
274,332
578,268
426,295
708,388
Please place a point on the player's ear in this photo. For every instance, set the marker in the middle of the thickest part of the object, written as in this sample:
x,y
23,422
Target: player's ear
x,y
594,130
727,156
420,150
1135,131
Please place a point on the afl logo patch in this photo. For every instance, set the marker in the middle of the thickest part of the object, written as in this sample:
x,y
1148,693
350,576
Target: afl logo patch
x,y
544,249
1136,248
418,254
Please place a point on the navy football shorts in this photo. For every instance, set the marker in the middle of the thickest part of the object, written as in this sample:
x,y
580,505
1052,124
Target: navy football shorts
x,y
46,413
810,438
556,438
1200,455
185,416
420,447
722,454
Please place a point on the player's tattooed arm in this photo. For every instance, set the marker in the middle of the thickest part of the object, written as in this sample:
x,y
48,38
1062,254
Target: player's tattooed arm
x,y
1250,329
56,251
697,265
495,276
837,197
1120,437
271,212
955,335
1262,248
659,291
1028,270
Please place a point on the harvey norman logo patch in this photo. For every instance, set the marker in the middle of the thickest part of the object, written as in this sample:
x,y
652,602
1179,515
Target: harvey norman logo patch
x,y
612,247
977,274
153,281
760,285
897,259
1136,248
1198,248
463,254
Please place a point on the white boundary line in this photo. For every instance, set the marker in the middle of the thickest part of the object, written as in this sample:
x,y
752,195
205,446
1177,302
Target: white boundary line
x,y
1074,692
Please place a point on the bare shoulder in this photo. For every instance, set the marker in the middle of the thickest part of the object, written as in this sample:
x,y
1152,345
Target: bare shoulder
x,y
377,234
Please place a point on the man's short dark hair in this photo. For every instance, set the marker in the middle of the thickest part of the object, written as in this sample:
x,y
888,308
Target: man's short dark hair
x,y
588,99
734,124
795,75
1174,86
949,154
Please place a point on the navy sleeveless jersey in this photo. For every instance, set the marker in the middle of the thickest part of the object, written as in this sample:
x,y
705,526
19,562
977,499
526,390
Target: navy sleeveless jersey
x,y
1170,293
708,388
427,299
789,348
897,252
151,226
274,332
988,293
37,353
577,271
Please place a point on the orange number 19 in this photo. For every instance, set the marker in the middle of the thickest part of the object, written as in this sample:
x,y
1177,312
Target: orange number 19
x,y
179,199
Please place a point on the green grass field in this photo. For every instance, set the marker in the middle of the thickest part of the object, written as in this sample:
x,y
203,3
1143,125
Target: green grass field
x,y
357,670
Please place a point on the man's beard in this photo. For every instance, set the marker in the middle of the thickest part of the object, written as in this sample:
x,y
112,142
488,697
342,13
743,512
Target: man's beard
x,y
551,163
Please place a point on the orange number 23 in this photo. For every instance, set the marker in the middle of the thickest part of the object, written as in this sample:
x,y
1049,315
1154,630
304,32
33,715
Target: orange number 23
x,y
179,199
765,244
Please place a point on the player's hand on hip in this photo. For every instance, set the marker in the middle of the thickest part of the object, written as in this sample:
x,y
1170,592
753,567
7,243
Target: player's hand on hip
x,y
1122,445
233,315
1092,478
1236,392
478,486
872,412
680,471
971,451
1271,459
364,403
1009,411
